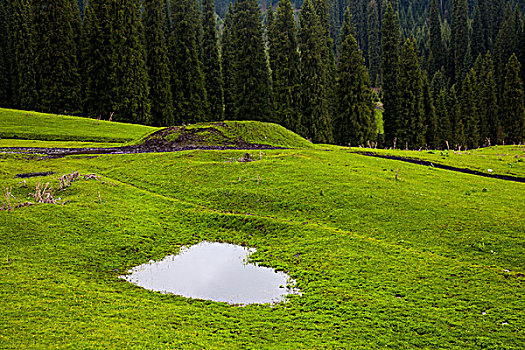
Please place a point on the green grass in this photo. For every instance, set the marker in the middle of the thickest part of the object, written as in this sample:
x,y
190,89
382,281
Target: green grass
x,y
506,160
16,124
431,260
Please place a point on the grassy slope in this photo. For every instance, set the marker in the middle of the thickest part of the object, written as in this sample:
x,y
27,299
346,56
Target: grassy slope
x,y
412,263
507,160
16,124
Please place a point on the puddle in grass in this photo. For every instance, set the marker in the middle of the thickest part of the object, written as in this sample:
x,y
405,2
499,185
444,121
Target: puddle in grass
x,y
214,271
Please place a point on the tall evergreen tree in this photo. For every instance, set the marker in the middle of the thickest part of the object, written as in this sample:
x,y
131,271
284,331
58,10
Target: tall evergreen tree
x,y
97,55
285,67
374,41
443,125
5,57
22,49
56,56
251,94
512,104
189,93
507,43
437,49
211,64
389,71
228,61
478,44
409,124
158,63
354,123
460,38
469,110
314,100
130,80
487,101
429,115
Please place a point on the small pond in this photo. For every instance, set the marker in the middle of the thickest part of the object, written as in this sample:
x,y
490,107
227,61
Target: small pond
x,y
214,271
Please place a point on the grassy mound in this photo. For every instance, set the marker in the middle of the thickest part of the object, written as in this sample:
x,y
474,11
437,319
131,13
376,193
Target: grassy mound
x,y
225,134
26,125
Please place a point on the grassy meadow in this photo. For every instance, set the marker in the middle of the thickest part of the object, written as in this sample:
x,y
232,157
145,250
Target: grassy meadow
x,y
430,260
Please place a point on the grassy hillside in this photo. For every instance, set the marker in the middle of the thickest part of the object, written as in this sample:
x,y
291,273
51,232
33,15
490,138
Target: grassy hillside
x,y
433,259
16,124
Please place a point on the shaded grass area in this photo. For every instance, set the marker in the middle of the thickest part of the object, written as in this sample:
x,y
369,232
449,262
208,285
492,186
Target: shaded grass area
x,y
430,260
15,124
505,160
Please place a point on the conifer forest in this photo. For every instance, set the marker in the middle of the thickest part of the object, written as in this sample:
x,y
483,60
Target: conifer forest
x,y
409,74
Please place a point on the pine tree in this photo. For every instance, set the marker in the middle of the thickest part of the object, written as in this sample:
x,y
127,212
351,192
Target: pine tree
x,y
355,122
443,125
56,57
469,110
158,63
478,43
487,101
409,124
252,90
512,104
506,44
5,57
22,48
227,61
97,55
429,115
189,93
211,64
130,77
389,71
314,100
460,38
437,49
374,44
285,67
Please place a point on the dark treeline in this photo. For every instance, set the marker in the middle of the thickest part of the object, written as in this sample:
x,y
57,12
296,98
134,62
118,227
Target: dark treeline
x,y
448,73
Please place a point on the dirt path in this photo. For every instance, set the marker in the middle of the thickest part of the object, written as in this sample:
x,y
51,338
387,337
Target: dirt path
x,y
62,152
442,166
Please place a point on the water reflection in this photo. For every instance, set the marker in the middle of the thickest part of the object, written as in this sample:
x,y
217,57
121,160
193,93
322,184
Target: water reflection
x,y
213,271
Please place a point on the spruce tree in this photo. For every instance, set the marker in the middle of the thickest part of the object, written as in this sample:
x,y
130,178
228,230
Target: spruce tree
x,y
5,57
437,49
507,43
478,43
285,67
512,104
454,110
487,102
189,93
56,56
409,124
252,90
429,115
389,71
469,110
22,48
227,62
97,55
314,72
354,123
374,41
460,38
130,77
443,125
211,64
158,63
